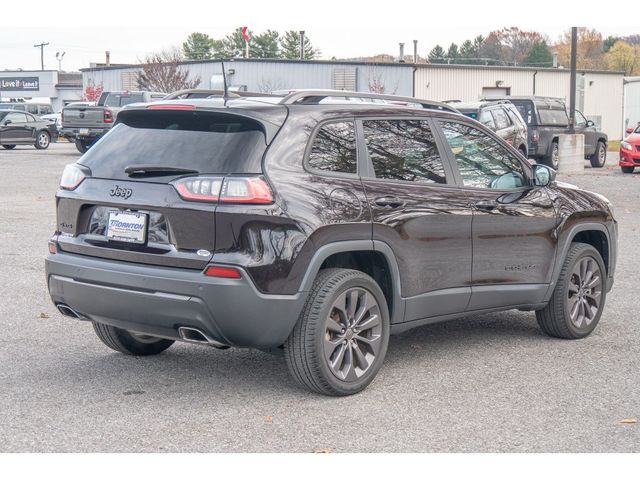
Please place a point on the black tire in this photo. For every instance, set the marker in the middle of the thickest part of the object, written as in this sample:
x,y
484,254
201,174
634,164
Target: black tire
x,y
599,157
551,160
556,318
83,145
627,169
8,147
43,140
130,344
306,348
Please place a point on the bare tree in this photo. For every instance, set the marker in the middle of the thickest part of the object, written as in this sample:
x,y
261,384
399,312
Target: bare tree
x,y
268,85
161,72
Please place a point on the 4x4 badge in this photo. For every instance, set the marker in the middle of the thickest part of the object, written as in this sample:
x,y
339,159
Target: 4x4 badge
x,y
118,191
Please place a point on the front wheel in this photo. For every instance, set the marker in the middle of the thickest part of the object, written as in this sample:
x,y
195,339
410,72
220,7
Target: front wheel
x,y
579,296
553,158
600,156
130,343
43,140
341,338
627,169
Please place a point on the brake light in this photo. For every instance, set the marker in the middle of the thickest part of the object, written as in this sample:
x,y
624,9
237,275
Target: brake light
x,y
535,137
62,116
108,116
223,272
250,190
72,176
245,190
53,248
171,107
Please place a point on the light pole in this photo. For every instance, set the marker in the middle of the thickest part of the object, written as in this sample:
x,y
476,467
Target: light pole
x,y
59,57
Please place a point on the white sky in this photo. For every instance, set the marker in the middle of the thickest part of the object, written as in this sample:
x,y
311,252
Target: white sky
x,y
130,29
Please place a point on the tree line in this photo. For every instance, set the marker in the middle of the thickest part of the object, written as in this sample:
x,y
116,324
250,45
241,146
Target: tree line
x,y
515,47
269,44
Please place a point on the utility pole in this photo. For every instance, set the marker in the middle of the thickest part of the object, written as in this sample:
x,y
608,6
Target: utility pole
x,y
41,47
572,88
301,44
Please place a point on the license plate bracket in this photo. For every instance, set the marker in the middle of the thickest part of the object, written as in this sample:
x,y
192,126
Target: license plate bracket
x,y
127,226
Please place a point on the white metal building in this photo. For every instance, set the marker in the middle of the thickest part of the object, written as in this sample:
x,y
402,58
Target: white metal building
x,y
599,96
631,116
52,86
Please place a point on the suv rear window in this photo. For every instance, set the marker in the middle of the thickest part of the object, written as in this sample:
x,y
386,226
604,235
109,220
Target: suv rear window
x,y
120,100
207,142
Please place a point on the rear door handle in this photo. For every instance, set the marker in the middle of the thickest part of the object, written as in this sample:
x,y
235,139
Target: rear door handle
x,y
389,202
486,205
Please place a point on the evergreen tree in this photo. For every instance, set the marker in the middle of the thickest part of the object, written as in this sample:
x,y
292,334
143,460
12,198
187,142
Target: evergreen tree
x,y
539,55
468,53
609,42
290,46
199,46
266,45
453,54
233,45
437,54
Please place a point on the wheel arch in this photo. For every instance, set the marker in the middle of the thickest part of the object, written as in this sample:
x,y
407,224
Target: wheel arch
x,y
374,258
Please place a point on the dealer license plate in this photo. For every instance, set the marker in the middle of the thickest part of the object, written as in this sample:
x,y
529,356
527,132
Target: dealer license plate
x,y
127,227
83,131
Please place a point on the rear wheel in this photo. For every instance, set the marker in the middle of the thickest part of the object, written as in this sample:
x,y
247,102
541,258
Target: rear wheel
x,y
627,169
83,145
341,338
9,147
579,296
130,343
599,157
43,140
553,158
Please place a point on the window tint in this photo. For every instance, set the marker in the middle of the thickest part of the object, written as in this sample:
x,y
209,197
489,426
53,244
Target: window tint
x,y
553,117
502,121
16,117
526,111
334,148
403,150
486,119
580,120
30,118
121,99
481,160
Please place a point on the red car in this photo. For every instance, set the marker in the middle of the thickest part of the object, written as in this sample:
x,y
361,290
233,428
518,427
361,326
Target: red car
x,y
630,151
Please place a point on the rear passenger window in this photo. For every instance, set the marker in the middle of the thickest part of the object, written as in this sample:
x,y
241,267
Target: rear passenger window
x,y
502,121
403,150
334,148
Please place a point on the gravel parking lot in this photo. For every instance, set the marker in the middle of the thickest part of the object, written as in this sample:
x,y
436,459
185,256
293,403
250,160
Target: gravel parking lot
x,y
485,383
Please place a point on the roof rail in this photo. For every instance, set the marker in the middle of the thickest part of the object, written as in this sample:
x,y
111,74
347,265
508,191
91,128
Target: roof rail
x,y
207,93
310,97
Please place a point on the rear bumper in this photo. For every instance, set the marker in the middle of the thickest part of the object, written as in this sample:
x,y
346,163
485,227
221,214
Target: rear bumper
x,y
83,132
159,300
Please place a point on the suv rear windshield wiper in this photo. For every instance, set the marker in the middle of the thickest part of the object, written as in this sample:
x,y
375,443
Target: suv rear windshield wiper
x,y
139,170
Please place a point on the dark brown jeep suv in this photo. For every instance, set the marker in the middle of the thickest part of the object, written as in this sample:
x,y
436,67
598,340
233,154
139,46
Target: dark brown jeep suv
x,y
316,225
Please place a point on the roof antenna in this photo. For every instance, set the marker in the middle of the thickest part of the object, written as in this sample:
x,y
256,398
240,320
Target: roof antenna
x,y
225,93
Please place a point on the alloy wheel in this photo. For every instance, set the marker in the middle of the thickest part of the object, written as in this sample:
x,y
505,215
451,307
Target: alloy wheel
x,y
43,140
584,292
353,334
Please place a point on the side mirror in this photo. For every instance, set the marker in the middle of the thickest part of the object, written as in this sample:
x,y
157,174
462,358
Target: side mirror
x,y
543,176
590,123
629,131
7,122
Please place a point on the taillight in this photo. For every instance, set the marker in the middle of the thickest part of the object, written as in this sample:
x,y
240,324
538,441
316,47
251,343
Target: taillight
x,y
53,248
62,116
535,137
222,272
108,116
72,176
245,190
199,189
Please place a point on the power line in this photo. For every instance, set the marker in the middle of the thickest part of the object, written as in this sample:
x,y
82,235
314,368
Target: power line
x,y
41,47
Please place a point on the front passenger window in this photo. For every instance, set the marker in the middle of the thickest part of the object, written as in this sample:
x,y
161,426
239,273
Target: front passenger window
x,y
481,160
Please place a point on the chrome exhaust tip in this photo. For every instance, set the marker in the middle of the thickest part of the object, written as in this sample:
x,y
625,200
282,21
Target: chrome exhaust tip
x,y
193,335
67,311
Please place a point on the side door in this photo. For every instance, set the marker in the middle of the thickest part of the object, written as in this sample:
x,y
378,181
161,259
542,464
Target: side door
x,y
13,128
419,213
589,132
513,222
31,127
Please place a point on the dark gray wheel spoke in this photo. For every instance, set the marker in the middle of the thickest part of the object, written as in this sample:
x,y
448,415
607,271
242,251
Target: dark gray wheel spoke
x,y
584,292
353,333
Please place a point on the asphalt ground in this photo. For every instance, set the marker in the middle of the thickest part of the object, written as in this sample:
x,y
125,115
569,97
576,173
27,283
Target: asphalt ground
x,y
488,383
